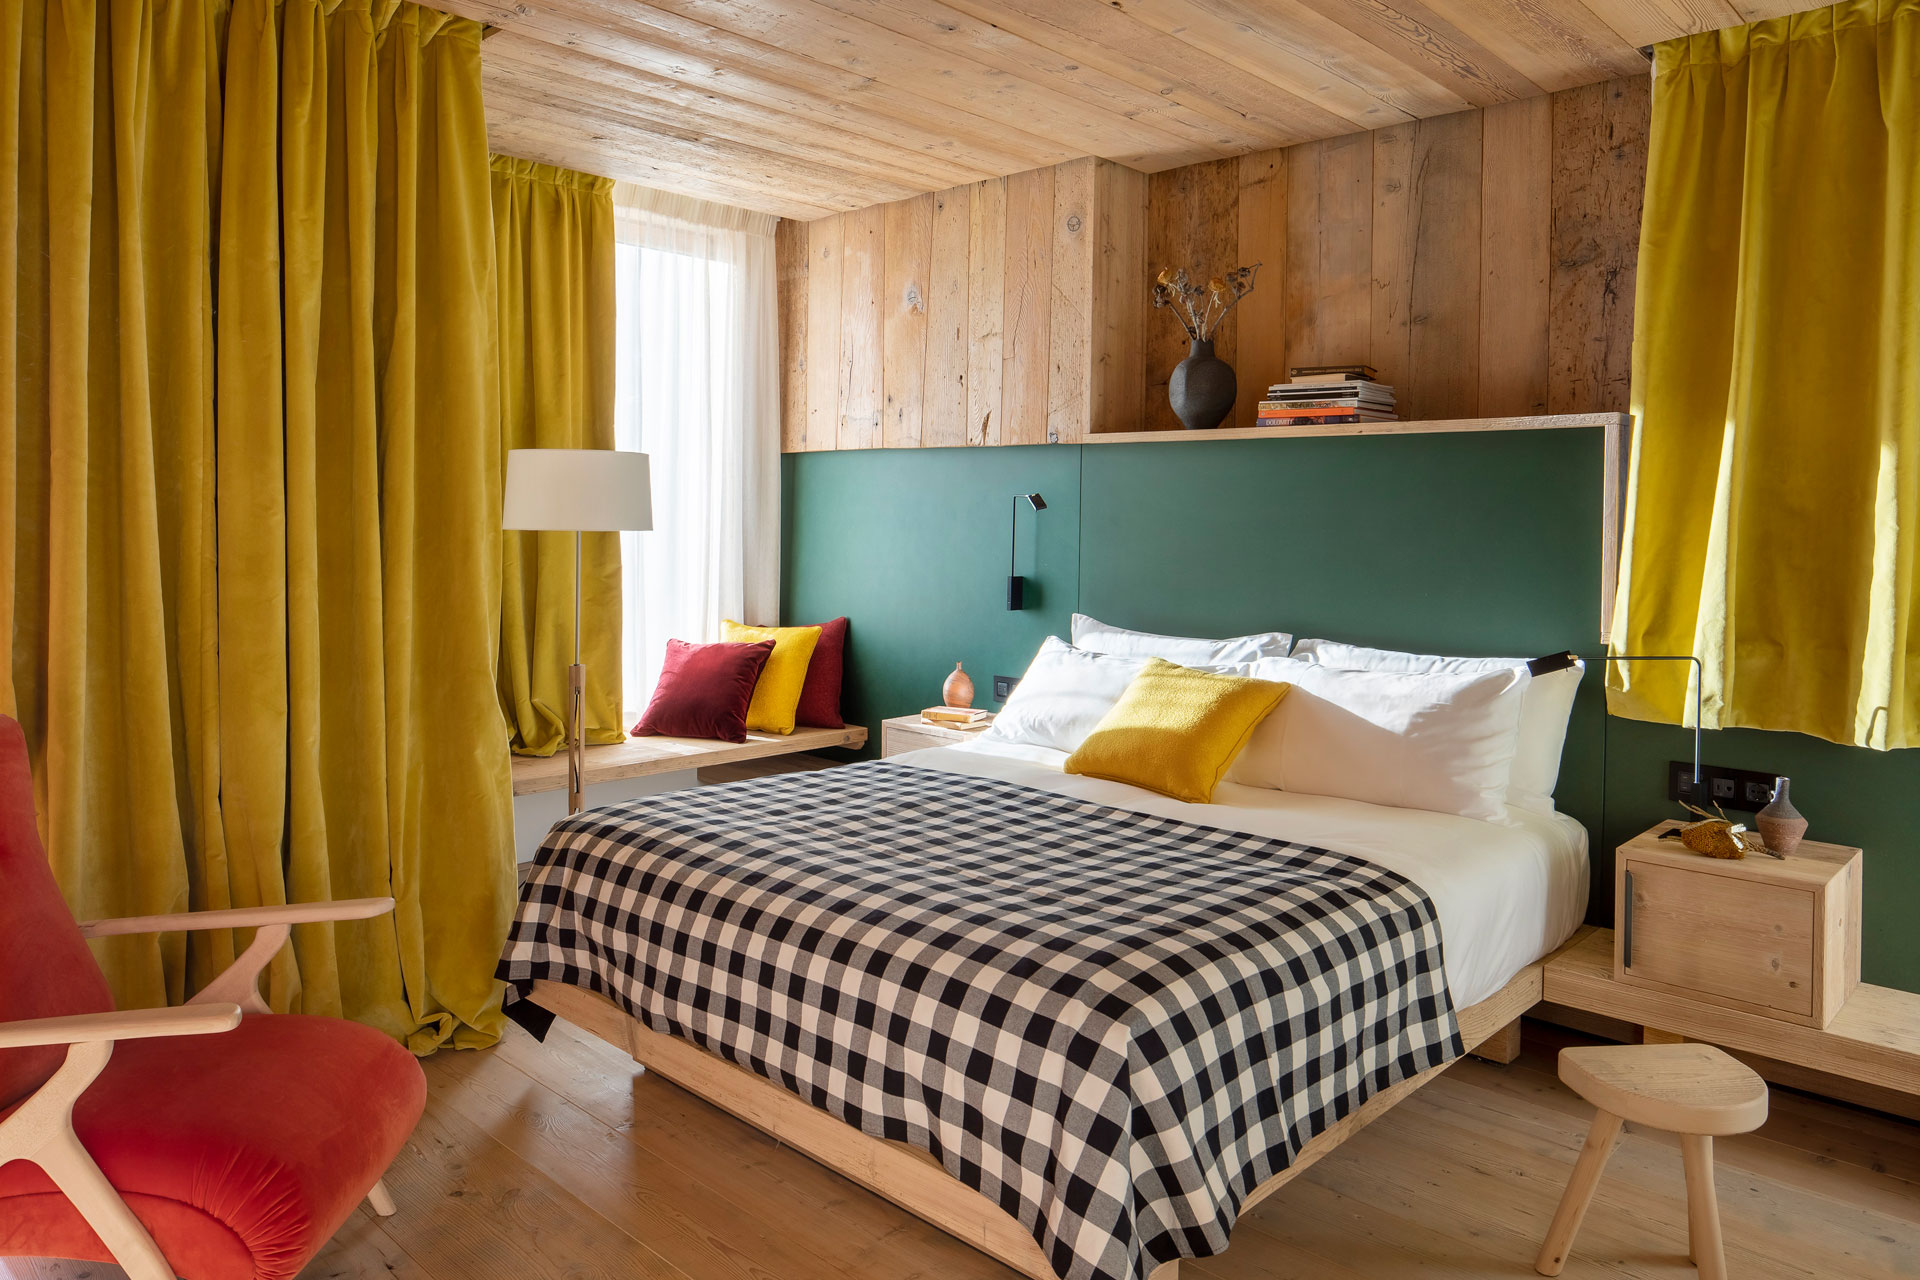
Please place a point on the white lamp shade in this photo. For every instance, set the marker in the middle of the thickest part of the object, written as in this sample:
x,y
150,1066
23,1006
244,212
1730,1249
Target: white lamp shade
x,y
591,490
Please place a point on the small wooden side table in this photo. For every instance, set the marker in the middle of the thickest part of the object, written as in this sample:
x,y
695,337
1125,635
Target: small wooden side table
x,y
910,733
1693,1090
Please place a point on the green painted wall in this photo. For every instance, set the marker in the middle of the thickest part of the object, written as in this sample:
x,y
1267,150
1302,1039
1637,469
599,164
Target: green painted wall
x,y
1468,543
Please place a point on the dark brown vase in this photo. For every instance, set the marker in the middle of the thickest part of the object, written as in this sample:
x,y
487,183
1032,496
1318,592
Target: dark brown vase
x,y
1781,825
1202,388
958,690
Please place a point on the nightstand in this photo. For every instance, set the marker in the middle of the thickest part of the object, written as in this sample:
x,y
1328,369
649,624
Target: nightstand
x,y
910,733
1779,938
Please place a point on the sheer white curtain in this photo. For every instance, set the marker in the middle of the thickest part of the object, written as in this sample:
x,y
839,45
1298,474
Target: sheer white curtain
x,y
697,388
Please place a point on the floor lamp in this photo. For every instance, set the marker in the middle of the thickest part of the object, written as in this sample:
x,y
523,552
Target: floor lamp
x,y
577,491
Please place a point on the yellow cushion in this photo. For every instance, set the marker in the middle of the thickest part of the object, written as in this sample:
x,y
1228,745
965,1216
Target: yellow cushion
x,y
1176,730
778,694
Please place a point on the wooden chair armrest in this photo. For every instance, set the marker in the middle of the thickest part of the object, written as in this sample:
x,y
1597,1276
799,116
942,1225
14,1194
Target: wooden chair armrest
x,y
124,1024
241,917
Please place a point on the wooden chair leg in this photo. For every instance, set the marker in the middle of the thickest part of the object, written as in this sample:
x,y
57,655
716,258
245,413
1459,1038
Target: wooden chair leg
x,y
40,1131
1579,1193
80,1179
1703,1207
381,1199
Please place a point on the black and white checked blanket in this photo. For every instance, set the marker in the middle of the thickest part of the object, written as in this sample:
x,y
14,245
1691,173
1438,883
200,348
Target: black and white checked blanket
x,y
1112,1024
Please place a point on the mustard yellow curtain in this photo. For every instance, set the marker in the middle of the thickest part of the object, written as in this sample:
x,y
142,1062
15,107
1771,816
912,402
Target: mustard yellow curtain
x,y
1774,510
252,580
553,255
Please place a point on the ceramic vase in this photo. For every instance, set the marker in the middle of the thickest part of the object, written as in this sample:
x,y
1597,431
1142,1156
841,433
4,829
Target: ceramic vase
x,y
1780,824
958,690
1202,388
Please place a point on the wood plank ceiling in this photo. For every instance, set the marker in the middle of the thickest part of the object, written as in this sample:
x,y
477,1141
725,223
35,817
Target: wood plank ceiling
x,y
806,107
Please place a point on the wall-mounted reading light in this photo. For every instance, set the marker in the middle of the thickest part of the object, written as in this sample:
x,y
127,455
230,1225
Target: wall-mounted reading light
x,y
1017,585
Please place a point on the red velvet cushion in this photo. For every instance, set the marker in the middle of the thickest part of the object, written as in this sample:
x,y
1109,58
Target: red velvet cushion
x,y
242,1152
820,695
704,690
46,969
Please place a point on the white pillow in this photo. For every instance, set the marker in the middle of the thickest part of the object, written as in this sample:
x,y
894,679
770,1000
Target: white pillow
x,y
1063,696
1547,704
1097,637
1438,740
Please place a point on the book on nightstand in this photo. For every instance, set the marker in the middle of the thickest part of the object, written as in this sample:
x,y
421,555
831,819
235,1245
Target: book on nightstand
x,y
965,719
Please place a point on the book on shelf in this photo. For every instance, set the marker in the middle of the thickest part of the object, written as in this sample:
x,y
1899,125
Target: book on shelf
x,y
1325,380
1322,420
957,717
1306,390
1321,417
1324,402
1312,370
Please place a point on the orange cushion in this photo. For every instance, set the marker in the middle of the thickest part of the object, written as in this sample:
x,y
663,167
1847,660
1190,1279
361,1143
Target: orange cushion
x,y
241,1152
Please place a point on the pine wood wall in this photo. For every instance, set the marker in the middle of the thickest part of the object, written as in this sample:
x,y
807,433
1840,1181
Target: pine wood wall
x,y
1482,261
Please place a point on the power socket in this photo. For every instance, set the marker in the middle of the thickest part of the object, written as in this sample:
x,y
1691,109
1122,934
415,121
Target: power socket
x,y
1003,687
1746,789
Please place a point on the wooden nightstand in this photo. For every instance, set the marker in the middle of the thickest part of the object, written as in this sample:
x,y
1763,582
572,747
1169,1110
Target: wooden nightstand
x,y
1767,936
910,733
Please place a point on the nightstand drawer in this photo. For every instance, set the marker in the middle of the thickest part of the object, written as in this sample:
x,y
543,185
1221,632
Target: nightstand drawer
x,y
1716,936
896,739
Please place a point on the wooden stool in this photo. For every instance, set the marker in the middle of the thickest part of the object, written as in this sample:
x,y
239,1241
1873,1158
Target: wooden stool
x,y
1693,1090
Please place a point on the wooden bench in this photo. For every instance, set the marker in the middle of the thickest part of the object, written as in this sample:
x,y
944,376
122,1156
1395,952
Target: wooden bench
x,y
649,757
644,766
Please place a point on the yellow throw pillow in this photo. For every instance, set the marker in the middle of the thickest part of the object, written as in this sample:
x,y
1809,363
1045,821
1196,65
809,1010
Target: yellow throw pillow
x,y
1176,730
777,694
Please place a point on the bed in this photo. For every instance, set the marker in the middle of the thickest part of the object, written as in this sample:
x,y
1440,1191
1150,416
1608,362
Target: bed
x,y
943,973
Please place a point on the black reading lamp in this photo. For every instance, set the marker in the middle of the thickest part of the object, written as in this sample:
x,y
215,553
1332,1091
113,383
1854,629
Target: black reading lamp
x,y
1017,585
1561,661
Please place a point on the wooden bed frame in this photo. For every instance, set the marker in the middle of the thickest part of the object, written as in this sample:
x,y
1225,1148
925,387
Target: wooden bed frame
x,y
915,1181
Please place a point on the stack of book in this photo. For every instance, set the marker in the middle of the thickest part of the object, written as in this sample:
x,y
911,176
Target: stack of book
x,y
1318,395
964,718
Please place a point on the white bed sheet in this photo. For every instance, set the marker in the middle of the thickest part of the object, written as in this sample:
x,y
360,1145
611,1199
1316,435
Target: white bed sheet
x,y
1506,895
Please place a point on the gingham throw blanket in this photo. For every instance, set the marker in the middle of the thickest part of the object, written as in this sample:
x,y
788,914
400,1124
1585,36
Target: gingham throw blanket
x,y
1114,1025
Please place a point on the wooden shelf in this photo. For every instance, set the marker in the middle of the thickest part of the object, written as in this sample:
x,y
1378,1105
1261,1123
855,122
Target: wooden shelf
x,y
639,757
1544,422
1874,1039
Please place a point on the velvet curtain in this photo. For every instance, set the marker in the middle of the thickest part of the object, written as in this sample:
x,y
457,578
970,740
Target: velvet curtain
x,y
1774,512
252,574
553,253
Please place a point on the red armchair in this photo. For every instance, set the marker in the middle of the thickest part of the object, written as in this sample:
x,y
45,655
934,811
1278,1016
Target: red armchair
x,y
215,1141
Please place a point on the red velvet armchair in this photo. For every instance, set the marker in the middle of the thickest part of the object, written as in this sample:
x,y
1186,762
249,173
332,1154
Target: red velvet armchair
x,y
215,1140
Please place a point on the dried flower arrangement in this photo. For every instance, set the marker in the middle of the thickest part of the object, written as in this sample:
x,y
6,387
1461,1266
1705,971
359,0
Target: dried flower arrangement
x,y
1201,307
1718,836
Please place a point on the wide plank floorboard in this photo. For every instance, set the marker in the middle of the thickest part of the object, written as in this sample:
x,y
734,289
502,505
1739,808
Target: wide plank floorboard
x,y
542,1161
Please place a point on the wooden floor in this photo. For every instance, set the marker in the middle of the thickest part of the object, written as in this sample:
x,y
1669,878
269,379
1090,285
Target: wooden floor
x,y
557,1160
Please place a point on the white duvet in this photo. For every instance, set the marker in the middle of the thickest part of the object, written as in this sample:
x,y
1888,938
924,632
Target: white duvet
x,y
1505,895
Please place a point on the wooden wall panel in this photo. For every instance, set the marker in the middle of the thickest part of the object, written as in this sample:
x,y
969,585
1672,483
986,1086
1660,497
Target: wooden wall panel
x,y
1329,250
986,308
1193,221
1120,308
944,421
1028,336
862,280
1515,234
1483,261
1426,264
1070,277
1260,320
1599,178
790,262
903,365
824,239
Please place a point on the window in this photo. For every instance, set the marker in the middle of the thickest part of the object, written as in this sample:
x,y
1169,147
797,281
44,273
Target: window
x,y
697,390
